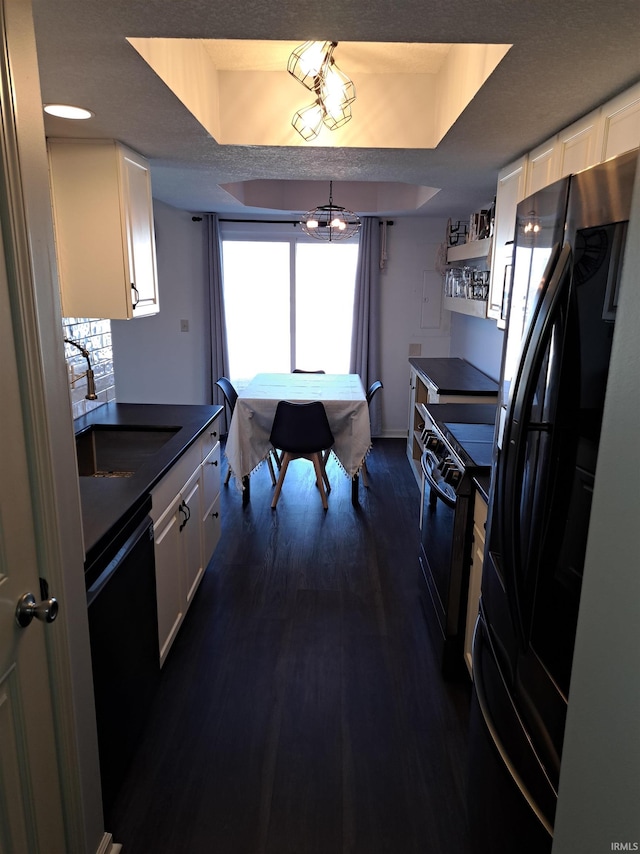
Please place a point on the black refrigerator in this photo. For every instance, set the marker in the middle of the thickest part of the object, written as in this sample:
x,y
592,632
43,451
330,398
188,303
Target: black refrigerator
x,y
568,254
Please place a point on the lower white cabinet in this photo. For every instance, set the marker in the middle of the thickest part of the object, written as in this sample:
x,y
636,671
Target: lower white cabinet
x,y
168,558
211,501
475,576
186,516
193,557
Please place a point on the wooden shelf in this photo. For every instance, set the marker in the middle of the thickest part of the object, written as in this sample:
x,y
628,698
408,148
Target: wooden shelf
x,y
467,251
473,307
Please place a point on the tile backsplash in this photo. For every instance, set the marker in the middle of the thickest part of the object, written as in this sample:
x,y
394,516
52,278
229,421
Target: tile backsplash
x,y
95,336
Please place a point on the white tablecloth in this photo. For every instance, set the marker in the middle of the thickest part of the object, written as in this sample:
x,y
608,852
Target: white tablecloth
x,y
343,398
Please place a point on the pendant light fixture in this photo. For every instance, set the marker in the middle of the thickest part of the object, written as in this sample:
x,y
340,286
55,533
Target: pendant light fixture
x,y
330,222
313,65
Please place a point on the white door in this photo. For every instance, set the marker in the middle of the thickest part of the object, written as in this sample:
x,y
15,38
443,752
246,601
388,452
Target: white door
x,y
30,800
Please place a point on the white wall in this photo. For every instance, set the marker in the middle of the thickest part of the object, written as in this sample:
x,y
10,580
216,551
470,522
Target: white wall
x,y
478,341
413,322
154,362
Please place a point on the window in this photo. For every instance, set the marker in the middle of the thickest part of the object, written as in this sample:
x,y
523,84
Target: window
x,y
288,303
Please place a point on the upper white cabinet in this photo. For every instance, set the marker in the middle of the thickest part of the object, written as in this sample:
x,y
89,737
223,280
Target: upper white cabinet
x,y
511,189
620,119
606,132
103,219
541,167
573,149
578,146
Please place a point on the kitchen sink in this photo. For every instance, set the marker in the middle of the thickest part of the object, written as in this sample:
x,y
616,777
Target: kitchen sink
x,y
110,451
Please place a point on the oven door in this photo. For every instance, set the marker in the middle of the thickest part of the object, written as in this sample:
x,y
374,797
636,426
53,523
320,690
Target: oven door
x,y
442,562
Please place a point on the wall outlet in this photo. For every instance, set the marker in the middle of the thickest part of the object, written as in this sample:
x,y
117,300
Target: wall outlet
x,y
415,350
184,326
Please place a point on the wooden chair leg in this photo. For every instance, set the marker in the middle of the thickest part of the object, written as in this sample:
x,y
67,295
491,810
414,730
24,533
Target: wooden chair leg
x,y
271,471
320,476
228,477
363,471
325,457
283,470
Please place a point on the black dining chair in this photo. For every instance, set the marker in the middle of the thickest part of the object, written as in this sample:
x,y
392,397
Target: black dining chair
x,y
301,430
278,454
371,391
230,397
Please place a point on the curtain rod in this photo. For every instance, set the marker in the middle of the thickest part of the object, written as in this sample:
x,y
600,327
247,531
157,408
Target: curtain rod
x,y
275,221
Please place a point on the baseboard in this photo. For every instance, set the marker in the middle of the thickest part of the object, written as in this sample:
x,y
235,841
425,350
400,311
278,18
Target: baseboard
x,y
392,434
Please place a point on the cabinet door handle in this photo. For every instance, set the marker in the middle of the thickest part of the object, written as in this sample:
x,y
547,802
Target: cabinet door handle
x,y
215,515
213,434
185,510
214,462
137,296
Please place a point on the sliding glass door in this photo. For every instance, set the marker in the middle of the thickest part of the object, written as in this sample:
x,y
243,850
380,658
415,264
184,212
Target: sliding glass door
x,y
288,304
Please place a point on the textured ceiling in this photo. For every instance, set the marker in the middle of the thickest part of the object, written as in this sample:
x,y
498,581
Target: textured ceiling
x,y
567,57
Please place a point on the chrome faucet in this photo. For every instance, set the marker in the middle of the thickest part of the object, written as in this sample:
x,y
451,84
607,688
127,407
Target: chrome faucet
x,y
91,383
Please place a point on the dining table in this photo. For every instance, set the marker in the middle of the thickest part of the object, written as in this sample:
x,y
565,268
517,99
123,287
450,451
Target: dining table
x,y
248,445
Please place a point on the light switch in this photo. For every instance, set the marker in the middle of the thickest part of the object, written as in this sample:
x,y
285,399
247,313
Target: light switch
x,y
184,326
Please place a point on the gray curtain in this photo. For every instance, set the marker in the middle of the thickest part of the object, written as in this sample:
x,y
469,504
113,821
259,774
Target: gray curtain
x,y
365,338
219,364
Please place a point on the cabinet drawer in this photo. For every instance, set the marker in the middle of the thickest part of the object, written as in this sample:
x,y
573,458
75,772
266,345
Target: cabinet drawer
x,y
174,480
209,439
211,526
211,477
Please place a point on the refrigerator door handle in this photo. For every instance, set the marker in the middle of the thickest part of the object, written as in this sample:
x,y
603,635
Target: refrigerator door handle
x,y
509,481
480,637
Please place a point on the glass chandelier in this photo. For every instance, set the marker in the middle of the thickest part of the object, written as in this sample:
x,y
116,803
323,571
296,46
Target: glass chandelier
x,y
313,65
330,222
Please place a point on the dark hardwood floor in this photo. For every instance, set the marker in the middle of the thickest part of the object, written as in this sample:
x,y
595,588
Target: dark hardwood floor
x,y
301,709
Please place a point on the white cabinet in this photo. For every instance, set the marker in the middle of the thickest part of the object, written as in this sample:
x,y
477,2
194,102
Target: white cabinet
x,y
418,396
103,220
186,515
542,166
510,191
578,147
192,557
475,575
573,149
168,557
620,120
211,503
606,132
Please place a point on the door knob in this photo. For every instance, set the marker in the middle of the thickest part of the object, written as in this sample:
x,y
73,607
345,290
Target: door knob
x,y
28,608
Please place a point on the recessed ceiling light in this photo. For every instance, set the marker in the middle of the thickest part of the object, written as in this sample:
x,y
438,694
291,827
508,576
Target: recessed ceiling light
x,y
66,111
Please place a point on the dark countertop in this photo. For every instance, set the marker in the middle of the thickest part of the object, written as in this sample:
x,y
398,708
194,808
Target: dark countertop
x,y
455,376
107,502
463,413
476,423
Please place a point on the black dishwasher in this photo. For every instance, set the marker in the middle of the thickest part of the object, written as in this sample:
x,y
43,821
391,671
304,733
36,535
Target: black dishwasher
x,y
123,628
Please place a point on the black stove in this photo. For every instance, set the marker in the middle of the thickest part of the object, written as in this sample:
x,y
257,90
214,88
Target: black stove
x,y
459,436
473,443
456,449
